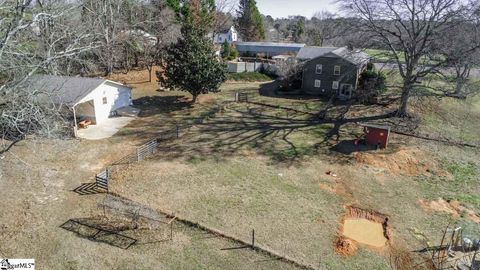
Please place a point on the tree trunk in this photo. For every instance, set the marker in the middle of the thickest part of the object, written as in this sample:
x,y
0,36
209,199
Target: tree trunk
x,y
463,72
194,98
403,109
459,86
149,68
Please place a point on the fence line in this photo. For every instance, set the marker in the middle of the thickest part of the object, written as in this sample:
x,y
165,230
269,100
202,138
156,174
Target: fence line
x,y
139,154
101,179
119,200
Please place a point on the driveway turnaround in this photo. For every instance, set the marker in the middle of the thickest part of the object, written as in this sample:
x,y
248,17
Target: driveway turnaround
x,y
106,130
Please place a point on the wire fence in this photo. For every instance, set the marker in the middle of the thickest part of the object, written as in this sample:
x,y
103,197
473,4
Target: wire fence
x,y
140,153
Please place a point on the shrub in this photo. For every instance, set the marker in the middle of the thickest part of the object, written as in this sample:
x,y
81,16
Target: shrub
x,y
371,83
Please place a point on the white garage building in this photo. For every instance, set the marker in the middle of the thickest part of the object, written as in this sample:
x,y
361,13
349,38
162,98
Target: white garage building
x,y
93,99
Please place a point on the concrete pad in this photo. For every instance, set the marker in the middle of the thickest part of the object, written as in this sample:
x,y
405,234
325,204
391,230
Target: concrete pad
x,y
105,130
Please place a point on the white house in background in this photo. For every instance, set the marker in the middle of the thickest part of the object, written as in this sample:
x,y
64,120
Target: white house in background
x,y
142,34
230,35
93,99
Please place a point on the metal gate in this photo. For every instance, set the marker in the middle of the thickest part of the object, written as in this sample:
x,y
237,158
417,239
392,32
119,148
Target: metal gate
x,y
101,179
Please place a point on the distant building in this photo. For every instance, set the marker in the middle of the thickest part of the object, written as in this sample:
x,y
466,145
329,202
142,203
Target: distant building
x,y
268,49
229,34
142,34
331,71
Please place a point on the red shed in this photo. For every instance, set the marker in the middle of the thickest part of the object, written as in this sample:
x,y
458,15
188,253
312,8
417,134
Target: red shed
x,y
376,135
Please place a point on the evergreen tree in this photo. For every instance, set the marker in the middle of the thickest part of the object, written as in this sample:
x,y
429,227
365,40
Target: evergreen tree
x,y
371,83
190,65
298,30
225,50
249,21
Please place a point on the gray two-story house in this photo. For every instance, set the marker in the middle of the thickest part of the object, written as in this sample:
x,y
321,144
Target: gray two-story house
x,y
331,71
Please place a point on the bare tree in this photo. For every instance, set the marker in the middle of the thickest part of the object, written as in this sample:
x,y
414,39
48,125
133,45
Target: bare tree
x,y
107,21
322,27
223,15
35,37
461,48
409,29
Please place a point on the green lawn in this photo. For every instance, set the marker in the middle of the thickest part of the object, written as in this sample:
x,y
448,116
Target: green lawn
x,y
380,55
263,165
454,118
248,77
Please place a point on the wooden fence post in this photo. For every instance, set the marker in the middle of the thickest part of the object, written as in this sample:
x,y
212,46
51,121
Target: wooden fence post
x,y
253,238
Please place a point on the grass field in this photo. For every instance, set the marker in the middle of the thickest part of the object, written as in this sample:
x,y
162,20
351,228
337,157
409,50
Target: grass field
x,y
380,55
248,77
270,165
263,166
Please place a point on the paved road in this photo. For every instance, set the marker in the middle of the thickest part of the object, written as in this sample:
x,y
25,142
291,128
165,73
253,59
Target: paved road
x,y
475,73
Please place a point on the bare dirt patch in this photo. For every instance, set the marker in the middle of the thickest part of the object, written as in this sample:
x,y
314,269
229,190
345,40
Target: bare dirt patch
x,y
362,226
452,207
336,185
135,76
345,246
406,161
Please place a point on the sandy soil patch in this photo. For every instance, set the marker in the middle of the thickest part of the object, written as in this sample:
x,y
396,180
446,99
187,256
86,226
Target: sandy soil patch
x,y
360,226
454,208
364,231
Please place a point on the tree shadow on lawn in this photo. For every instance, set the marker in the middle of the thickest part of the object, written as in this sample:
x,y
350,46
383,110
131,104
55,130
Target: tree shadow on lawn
x,y
116,232
153,105
270,89
283,139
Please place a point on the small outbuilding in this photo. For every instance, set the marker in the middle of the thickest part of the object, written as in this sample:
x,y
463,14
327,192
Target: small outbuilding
x,y
376,135
90,99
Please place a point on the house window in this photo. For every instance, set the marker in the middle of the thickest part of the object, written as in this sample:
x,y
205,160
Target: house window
x,y
336,70
318,83
318,69
335,85
104,100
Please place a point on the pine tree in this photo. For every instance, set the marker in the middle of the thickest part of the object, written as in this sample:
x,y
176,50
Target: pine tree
x,y
249,21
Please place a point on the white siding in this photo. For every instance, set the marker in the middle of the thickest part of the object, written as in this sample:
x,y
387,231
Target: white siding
x,y
117,97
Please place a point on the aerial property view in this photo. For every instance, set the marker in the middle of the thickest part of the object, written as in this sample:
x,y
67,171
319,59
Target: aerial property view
x,y
203,134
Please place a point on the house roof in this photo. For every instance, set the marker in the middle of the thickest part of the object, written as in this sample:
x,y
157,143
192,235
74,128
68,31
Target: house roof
x,y
272,44
268,47
66,90
225,29
353,56
311,52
